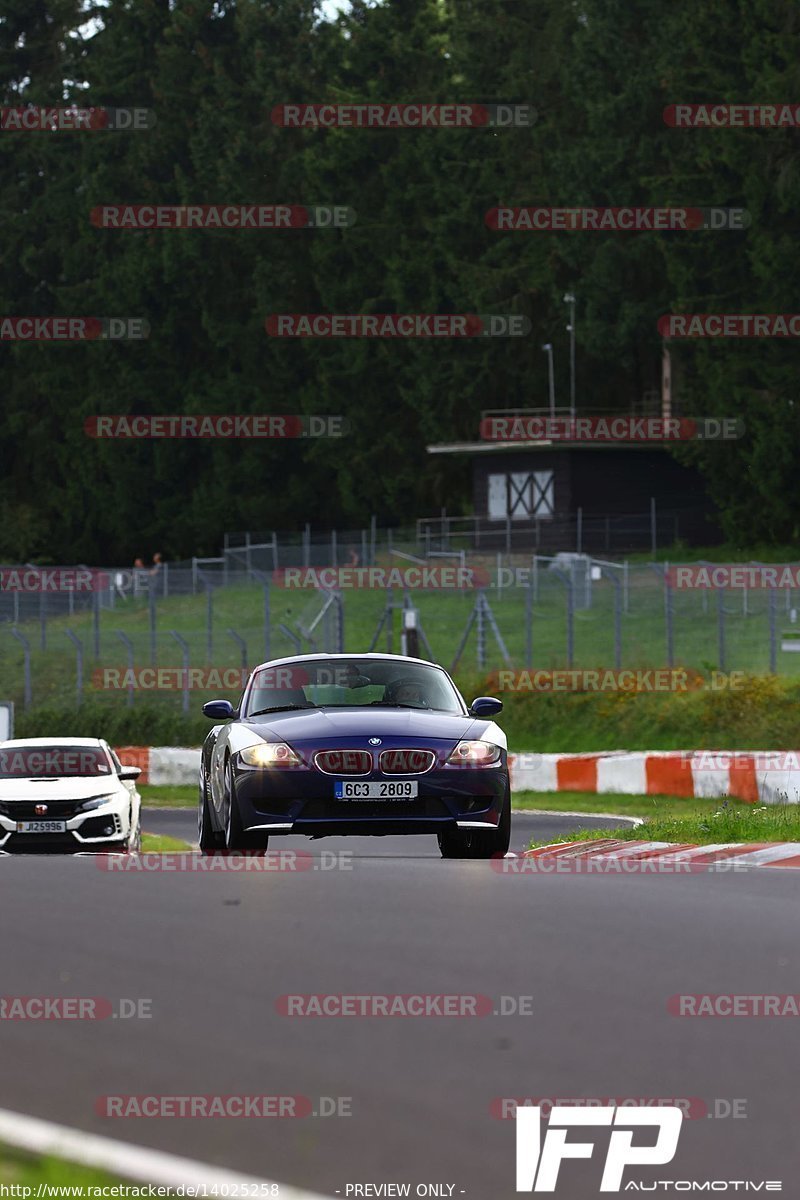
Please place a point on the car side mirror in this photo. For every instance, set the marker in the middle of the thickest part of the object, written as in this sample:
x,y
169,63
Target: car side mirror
x,y
486,706
219,710
130,772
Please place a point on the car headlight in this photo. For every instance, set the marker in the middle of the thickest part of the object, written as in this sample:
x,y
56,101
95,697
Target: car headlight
x,y
475,754
270,754
97,802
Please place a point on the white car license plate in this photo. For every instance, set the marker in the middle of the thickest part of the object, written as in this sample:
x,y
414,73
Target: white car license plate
x,y
386,789
41,826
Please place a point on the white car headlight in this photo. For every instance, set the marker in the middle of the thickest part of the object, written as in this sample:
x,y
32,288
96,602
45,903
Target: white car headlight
x,y
270,754
97,802
475,754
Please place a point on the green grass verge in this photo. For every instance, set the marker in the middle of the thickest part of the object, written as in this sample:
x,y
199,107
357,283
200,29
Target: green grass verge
x,y
154,843
23,1170
762,714
173,796
703,822
589,802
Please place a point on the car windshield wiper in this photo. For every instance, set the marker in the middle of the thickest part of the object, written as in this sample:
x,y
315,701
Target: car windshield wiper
x,y
281,708
391,704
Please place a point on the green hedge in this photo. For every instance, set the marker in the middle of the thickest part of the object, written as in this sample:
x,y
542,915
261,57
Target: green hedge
x,y
764,714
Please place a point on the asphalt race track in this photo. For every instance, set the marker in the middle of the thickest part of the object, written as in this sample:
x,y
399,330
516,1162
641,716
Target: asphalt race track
x,y
598,955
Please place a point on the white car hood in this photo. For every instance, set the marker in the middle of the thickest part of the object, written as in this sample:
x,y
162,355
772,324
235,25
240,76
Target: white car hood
x,y
68,788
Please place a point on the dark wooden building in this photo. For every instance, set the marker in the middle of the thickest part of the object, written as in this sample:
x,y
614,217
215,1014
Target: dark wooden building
x,y
588,496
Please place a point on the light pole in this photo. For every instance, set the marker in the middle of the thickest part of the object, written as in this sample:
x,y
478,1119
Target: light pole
x,y
569,299
548,347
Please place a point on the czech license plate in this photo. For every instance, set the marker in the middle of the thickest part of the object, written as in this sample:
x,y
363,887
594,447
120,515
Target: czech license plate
x,y
41,826
346,789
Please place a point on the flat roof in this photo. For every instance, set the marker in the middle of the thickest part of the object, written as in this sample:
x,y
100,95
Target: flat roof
x,y
490,447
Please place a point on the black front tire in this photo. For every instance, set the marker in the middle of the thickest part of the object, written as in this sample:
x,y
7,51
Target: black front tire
x,y
236,836
474,843
135,836
208,838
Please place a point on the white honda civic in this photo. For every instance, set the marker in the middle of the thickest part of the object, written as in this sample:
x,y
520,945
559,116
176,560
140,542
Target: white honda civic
x,y
67,794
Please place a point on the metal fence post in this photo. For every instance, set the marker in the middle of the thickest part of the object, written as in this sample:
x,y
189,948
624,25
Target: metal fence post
x,y
565,579
266,622
773,640
617,616
76,641
721,627
96,624
481,630
340,622
209,622
669,619
151,604
43,620
242,644
529,625
26,651
128,644
389,619
185,651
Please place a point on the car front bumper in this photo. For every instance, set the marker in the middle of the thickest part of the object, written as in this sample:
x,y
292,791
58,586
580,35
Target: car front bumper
x,y
302,801
86,829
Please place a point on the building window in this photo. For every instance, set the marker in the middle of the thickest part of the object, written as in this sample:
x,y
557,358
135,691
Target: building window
x,y
521,495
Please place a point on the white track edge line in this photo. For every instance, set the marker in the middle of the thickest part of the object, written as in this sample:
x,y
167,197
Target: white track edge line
x,y
563,812
122,1158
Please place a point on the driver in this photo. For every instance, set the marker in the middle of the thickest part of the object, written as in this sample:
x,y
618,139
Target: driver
x,y
406,691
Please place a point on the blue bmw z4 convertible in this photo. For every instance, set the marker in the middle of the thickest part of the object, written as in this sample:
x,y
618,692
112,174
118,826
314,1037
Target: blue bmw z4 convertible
x,y
374,744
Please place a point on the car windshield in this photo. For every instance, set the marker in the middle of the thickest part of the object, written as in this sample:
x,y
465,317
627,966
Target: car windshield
x,y
351,683
37,762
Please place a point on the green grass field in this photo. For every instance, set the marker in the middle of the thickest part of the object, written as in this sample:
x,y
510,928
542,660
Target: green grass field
x,y
672,819
444,616
20,1171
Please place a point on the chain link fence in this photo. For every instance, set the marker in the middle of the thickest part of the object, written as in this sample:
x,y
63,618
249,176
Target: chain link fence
x,y
194,624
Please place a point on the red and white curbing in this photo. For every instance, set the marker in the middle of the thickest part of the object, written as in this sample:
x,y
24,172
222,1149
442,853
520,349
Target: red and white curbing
x,y
652,857
754,776
758,777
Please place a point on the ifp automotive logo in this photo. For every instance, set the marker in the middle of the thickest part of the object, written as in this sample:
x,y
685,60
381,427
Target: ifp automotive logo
x,y
539,1160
